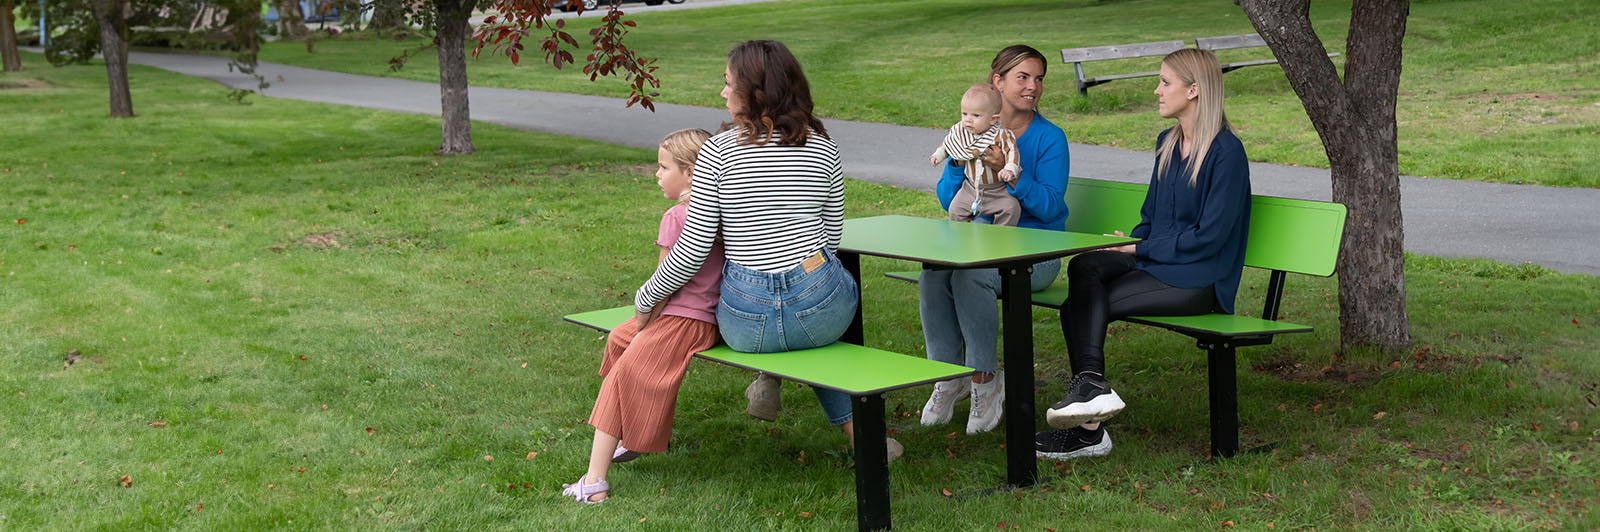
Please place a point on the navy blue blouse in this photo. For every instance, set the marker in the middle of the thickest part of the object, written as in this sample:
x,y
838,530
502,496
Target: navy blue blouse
x,y
1194,236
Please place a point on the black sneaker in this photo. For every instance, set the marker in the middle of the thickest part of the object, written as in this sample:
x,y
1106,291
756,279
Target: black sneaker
x,y
1066,444
1089,400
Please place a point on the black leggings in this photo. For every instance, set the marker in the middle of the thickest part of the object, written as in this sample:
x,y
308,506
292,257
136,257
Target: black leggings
x,y
1104,286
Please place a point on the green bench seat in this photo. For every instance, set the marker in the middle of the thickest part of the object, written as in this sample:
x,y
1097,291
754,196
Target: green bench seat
x,y
861,372
1286,236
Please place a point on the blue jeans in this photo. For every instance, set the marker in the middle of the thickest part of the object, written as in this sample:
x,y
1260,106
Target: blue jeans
x,y
958,309
763,312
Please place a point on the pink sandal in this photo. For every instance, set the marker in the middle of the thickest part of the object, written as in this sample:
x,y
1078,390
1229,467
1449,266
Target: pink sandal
x,y
581,492
622,454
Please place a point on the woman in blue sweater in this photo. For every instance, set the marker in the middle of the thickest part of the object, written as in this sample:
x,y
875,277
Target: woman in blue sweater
x,y
1193,225
960,322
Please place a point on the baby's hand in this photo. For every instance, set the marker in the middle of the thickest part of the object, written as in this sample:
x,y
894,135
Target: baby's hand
x,y
934,160
1008,176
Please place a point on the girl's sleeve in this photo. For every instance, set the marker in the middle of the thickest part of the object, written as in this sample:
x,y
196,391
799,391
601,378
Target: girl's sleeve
x,y
699,232
1226,189
671,227
1041,186
833,207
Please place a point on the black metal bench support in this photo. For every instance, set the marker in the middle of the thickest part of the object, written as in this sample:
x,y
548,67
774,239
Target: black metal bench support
x,y
1224,389
872,463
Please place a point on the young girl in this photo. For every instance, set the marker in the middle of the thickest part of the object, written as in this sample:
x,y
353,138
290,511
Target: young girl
x,y
643,366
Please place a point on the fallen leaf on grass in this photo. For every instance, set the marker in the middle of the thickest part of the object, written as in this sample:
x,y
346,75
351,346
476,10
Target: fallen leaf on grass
x,y
158,424
72,358
488,458
1379,415
1314,409
1227,523
946,492
531,454
126,481
805,514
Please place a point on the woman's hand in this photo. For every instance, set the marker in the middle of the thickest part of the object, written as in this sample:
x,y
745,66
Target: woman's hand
x,y
993,159
1125,248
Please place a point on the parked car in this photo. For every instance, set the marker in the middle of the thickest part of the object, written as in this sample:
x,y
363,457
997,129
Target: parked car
x,y
308,10
588,5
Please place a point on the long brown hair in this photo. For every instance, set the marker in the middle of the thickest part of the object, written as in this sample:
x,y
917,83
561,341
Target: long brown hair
x,y
774,97
1195,66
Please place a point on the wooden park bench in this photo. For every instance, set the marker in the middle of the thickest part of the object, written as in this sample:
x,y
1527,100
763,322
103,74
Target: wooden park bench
x,y
1231,42
1079,56
863,373
1286,236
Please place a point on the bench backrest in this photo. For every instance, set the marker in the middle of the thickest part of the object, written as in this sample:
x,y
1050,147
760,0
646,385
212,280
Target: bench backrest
x,y
1229,42
1119,51
1291,235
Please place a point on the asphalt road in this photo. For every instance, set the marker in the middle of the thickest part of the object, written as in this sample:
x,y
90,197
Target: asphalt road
x,y
1558,228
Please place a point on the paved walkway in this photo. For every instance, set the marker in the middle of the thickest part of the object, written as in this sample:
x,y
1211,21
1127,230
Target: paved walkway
x,y
1558,228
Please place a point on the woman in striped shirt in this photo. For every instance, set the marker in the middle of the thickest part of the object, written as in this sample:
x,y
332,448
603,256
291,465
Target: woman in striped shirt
x,y
772,185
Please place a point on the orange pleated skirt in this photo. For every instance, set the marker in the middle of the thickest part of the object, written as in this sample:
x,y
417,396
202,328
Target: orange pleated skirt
x,y
642,372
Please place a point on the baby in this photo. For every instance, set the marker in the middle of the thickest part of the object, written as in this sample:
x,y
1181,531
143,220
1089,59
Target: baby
x,y
983,193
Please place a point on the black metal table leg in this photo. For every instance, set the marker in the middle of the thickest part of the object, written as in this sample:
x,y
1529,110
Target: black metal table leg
x,y
872,463
1224,400
1017,319
855,333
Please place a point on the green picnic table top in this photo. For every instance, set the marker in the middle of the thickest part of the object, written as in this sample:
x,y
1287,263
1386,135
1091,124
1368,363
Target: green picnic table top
x,y
963,244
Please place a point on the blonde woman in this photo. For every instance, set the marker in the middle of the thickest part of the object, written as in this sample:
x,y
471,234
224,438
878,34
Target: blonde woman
x,y
1192,228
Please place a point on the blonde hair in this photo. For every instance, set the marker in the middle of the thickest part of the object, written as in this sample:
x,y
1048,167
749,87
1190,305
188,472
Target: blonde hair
x,y
684,145
1194,66
985,96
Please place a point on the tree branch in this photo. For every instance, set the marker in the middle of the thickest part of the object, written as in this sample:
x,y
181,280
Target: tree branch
x,y
1372,60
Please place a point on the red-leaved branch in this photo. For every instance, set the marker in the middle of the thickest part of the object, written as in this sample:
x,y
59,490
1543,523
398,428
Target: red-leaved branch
x,y
517,20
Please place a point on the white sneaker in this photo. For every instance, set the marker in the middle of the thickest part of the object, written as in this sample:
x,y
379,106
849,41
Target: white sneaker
x,y
941,405
988,401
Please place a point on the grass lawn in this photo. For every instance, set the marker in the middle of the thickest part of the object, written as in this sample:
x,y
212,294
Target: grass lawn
x,y
293,316
1488,93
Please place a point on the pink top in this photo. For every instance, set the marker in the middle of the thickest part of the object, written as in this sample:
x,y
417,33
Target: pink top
x,y
697,299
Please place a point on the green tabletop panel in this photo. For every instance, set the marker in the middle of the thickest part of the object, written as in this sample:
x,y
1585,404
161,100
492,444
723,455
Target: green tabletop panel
x,y
963,244
843,367
1221,324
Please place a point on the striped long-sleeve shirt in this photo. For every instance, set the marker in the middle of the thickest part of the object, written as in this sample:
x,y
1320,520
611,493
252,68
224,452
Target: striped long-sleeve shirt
x,y
774,205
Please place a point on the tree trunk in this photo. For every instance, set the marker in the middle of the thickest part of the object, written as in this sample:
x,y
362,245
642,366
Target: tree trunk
x,y
114,47
451,41
8,38
1356,121
291,21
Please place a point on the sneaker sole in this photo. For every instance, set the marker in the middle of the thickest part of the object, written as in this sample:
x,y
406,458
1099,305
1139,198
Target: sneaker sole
x,y
1100,449
1094,411
768,417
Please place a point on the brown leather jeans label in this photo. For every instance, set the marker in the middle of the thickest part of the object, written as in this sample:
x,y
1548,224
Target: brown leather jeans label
x,y
813,262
